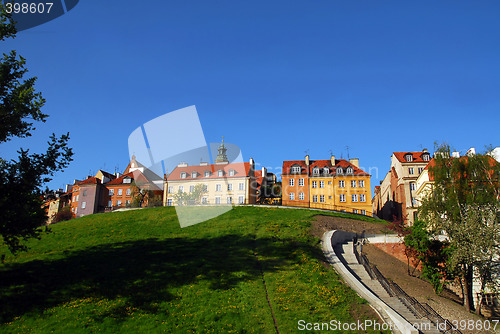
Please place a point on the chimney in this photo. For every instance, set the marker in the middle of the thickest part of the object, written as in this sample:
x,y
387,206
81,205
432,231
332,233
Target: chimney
x,y
264,172
252,164
424,150
118,175
354,161
455,155
307,160
471,151
332,160
203,163
182,164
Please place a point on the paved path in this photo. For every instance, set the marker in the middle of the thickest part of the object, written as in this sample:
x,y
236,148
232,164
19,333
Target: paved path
x,y
345,253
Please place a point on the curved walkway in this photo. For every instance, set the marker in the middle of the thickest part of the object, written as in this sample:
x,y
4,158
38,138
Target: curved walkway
x,y
338,249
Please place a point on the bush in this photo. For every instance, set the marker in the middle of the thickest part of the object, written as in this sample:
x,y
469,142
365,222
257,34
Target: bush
x,y
63,215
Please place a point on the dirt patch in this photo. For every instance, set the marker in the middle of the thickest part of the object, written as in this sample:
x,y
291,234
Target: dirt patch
x,y
321,224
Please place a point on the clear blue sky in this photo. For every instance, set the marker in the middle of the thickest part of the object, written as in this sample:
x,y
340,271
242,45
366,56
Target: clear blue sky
x,y
276,78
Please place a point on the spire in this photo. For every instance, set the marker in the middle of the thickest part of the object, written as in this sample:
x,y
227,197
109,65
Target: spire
x,y
222,156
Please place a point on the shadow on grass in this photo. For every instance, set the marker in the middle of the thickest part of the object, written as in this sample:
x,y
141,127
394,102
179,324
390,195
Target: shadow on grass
x,y
141,272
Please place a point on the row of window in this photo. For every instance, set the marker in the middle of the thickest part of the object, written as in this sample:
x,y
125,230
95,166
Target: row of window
x,y
218,187
325,170
354,184
120,192
411,170
118,203
409,157
207,173
342,197
204,200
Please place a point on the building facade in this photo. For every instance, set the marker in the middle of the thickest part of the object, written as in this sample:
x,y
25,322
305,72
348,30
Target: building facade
x,y
397,196
334,184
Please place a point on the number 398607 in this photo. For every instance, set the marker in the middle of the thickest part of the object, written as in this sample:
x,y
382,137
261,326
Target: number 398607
x,y
27,7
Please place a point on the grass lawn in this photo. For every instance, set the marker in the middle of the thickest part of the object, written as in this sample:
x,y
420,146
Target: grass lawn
x,y
138,271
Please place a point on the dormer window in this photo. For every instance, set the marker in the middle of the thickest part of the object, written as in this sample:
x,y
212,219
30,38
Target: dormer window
x,y
183,175
315,170
207,173
409,157
220,173
231,172
426,157
350,170
339,170
326,171
194,174
296,169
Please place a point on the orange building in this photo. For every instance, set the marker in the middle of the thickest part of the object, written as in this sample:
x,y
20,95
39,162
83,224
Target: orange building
x,y
334,184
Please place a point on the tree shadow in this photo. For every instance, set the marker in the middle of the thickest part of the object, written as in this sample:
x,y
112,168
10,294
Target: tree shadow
x,y
142,272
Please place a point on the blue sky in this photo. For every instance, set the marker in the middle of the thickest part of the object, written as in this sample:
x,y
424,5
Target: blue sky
x,y
276,78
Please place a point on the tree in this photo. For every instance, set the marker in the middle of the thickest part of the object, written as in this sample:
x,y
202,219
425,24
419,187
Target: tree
x,y
21,201
191,198
464,204
140,194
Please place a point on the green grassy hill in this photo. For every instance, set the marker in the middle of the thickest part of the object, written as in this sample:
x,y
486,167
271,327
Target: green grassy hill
x,y
139,271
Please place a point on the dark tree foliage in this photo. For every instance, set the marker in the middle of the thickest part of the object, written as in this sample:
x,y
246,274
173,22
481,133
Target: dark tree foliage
x,y
21,202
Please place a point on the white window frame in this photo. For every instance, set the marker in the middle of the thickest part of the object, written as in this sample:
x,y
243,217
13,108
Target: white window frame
x,y
120,192
241,199
296,169
315,198
191,188
110,204
354,210
321,184
362,197
181,189
220,173
291,182
322,198
353,183
342,198
84,204
231,172
315,184
170,202
341,184
301,196
204,200
301,182
413,186
410,171
183,175
408,157
361,183
111,192
241,186
339,171
363,212
218,187
229,187
426,157
354,198
217,200
229,200
207,173
315,171
129,191
119,203
291,196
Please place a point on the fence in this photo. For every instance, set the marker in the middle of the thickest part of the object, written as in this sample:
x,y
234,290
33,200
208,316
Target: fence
x,y
419,310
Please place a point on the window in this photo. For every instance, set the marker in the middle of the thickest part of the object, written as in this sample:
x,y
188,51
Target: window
x,y
229,200
120,192
291,196
363,212
361,183
85,193
350,170
111,192
329,182
353,184
342,197
191,189
84,204
73,198
410,171
301,182
230,187
194,174
412,186
110,203
296,169
77,197
426,157
241,186
291,182
409,157
414,202
205,187
129,191
301,196
231,172
321,184
204,200
217,200
329,197
355,211
340,171
127,180
169,202
119,203
354,198
218,187
207,173
315,184
241,199
326,171
315,198
181,189
341,184
183,175
362,198
315,170
322,198
420,170
220,173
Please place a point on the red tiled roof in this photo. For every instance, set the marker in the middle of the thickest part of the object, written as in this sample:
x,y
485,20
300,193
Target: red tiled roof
x,y
90,180
258,177
417,156
241,169
287,165
119,180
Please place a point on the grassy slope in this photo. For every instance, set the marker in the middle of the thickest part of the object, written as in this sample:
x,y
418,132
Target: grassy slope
x,y
139,271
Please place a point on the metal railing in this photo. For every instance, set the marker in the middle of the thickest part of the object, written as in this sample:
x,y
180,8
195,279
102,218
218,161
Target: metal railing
x,y
413,305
